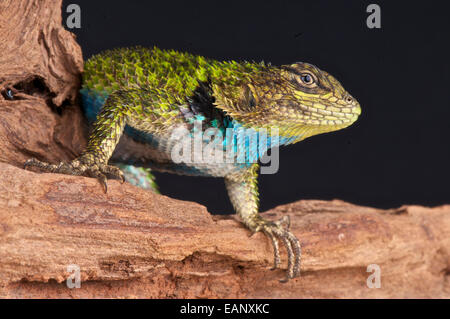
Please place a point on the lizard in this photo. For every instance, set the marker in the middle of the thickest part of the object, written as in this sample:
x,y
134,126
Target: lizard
x,y
135,98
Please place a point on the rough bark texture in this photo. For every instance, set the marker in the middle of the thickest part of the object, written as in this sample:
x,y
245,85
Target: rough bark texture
x,y
41,64
35,46
133,243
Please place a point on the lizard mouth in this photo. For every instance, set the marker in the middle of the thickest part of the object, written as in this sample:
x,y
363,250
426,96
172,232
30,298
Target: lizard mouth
x,y
322,112
330,114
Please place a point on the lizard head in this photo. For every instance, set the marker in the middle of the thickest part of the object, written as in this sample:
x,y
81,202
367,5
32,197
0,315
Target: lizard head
x,y
311,101
299,99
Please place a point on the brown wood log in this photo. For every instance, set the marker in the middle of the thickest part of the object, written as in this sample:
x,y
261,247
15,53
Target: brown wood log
x,y
133,243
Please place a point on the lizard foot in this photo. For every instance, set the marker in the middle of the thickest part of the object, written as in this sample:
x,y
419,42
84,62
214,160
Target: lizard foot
x,y
280,230
79,167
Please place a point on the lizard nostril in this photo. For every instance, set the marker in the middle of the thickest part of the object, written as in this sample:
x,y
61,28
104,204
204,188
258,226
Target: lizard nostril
x,y
349,99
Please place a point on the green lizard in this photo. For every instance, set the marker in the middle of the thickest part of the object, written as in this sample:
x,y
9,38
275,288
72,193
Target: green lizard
x,y
142,96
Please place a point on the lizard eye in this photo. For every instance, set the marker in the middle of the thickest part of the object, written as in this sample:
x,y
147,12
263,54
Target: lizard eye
x,y
307,78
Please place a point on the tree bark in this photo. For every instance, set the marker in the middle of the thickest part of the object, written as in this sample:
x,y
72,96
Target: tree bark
x,y
134,243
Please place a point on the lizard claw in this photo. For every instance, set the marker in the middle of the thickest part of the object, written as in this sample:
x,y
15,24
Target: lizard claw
x,y
79,167
113,171
96,173
254,231
279,230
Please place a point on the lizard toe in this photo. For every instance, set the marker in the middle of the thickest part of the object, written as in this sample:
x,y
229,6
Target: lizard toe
x,y
280,230
79,166
113,171
95,172
62,167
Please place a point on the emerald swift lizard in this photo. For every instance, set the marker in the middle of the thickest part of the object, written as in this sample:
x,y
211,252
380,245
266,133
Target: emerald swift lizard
x,y
135,98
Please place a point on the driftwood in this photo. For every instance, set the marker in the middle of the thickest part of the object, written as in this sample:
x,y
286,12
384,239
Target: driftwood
x,y
133,243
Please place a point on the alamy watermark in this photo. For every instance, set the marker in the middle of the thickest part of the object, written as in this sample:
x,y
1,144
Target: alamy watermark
x,y
374,280
231,145
73,20
74,279
374,19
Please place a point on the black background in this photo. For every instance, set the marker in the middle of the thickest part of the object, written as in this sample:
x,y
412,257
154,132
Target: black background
x,y
396,153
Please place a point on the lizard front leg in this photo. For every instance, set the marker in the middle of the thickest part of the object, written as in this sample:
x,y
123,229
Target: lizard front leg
x,y
243,192
105,135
